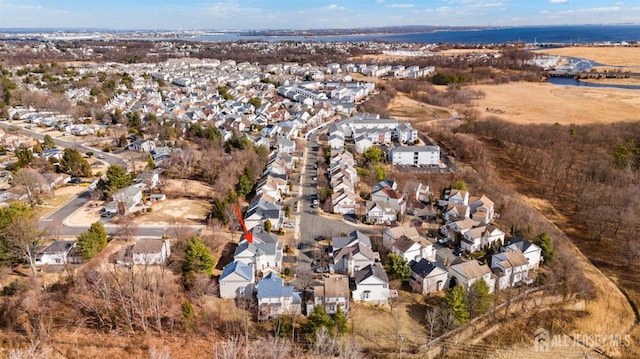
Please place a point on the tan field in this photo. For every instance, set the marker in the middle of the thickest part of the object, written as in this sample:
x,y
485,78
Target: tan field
x,y
606,55
546,103
406,109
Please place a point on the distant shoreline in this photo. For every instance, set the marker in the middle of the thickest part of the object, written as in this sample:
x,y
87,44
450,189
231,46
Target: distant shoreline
x,y
544,35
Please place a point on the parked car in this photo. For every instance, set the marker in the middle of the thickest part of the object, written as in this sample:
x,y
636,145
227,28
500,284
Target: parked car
x,y
442,240
100,156
289,225
458,252
314,178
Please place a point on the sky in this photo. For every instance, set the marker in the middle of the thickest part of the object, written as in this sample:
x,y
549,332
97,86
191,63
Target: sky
x,y
308,14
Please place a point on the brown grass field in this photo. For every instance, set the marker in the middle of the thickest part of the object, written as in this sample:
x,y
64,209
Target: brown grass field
x,y
546,103
406,109
606,55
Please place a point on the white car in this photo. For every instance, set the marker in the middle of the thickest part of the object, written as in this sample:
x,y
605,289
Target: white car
x,y
289,225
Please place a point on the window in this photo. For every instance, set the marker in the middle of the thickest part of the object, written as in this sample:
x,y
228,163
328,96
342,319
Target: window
x,y
366,294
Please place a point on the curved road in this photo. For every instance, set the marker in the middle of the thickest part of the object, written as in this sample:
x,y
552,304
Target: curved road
x,y
55,222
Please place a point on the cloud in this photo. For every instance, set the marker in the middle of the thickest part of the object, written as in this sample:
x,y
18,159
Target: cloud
x,y
401,6
558,1
334,7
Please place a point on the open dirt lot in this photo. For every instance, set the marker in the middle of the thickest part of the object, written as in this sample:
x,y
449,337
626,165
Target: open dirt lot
x,y
179,209
606,55
187,188
406,109
547,103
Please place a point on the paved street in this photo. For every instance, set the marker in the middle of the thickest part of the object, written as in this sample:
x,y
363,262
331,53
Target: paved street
x,y
313,223
79,145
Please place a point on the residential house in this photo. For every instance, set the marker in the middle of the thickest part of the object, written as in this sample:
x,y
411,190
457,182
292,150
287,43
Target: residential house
x,y
263,254
391,198
349,240
275,298
56,253
125,200
462,226
149,179
142,145
466,273
362,143
482,209
390,235
151,251
480,237
261,210
349,260
417,191
413,248
52,153
285,145
510,268
371,285
379,213
457,196
344,202
332,294
455,211
55,180
532,252
272,185
237,280
427,277
336,140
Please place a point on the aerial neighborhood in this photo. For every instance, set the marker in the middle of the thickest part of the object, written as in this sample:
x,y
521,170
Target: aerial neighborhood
x,y
261,194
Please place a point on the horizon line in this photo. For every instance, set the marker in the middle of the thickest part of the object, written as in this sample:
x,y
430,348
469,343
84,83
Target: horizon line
x,y
105,29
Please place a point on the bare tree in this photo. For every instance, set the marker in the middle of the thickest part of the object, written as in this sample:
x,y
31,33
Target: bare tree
x,y
32,184
432,316
23,238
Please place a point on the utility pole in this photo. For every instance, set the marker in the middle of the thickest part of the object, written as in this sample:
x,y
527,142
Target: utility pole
x,y
401,341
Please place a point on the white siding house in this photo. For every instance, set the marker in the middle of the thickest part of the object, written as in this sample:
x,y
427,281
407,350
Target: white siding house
x,y
150,251
372,285
237,280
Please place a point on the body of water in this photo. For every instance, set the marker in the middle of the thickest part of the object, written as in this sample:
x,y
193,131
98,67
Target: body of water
x,y
564,81
536,34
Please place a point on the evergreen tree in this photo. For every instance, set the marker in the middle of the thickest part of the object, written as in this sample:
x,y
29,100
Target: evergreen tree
x,y
188,315
245,182
198,258
267,225
340,322
373,155
545,242
24,156
92,241
478,298
48,143
316,320
397,267
74,163
456,300
117,178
